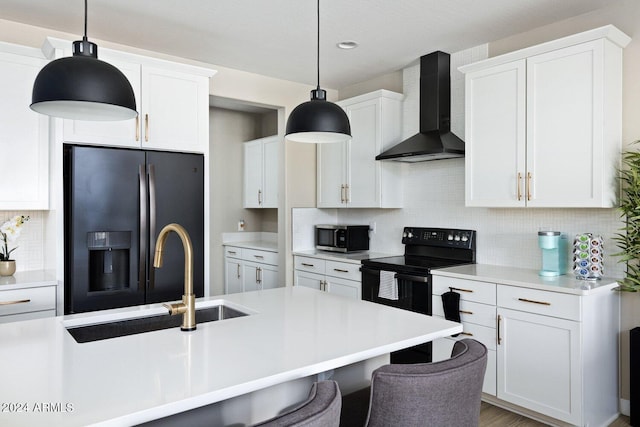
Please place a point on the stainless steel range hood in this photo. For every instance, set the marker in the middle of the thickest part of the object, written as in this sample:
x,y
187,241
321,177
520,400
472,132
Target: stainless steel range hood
x,y
435,140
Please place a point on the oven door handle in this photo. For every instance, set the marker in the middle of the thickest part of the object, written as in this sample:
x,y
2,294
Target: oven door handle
x,y
423,279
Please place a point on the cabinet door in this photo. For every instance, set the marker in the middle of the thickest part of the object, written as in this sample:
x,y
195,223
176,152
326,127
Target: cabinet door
x,y
24,176
565,126
331,178
250,278
253,193
495,136
270,173
123,133
309,280
363,171
175,110
269,276
232,276
346,288
539,363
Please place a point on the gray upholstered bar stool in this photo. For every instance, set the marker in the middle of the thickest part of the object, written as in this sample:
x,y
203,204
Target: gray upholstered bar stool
x,y
321,409
445,393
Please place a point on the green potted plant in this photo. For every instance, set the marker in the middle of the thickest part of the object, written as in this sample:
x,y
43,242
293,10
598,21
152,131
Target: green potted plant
x,y
9,232
628,241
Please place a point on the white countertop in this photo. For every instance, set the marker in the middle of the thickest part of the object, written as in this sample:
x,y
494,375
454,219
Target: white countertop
x,y
293,332
261,245
28,279
353,257
527,278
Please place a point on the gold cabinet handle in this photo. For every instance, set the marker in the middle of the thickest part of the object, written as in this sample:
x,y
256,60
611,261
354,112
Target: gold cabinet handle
x,y
528,186
534,301
137,128
339,270
469,334
518,181
461,290
346,192
499,321
466,312
259,197
146,127
20,301
342,197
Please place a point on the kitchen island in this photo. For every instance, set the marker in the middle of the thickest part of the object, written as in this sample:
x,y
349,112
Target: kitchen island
x,y
291,335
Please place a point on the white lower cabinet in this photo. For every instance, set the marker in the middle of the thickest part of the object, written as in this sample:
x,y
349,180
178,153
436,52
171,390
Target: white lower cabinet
x,y
552,353
26,304
335,277
249,269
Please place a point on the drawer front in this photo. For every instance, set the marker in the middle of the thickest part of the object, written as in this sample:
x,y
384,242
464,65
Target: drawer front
x,y
343,270
265,257
469,290
470,312
312,265
27,300
486,335
232,252
27,316
554,304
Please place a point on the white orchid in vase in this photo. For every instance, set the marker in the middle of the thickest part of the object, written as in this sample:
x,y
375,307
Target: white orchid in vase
x,y
9,232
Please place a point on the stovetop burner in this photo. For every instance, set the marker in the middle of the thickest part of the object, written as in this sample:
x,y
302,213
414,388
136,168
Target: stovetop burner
x,y
427,248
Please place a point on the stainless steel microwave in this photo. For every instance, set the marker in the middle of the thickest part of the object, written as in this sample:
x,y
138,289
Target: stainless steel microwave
x,y
342,238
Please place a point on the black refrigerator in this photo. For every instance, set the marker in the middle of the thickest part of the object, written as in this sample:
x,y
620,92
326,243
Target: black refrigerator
x,y
116,202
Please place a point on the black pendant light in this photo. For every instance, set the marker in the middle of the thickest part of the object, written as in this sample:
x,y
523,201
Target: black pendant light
x,y
82,87
318,120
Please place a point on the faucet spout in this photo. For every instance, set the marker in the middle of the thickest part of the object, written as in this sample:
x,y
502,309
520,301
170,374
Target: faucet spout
x,y
188,305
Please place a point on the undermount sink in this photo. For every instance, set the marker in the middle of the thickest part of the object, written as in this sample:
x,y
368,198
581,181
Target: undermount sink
x,y
83,333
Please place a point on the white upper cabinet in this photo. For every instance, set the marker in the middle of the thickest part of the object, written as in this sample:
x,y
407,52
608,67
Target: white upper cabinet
x,y
347,173
172,101
24,134
544,124
261,173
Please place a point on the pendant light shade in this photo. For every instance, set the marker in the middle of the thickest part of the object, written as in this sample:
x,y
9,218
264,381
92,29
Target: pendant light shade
x,y
318,120
82,87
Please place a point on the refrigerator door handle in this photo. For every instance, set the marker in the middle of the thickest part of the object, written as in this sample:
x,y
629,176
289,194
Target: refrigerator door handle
x,y
142,178
152,220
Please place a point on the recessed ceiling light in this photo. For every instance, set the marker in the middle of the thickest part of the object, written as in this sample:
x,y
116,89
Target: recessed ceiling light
x,y
347,44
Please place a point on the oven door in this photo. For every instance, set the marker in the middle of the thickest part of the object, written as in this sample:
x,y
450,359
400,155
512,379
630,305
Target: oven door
x,y
414,294
414,291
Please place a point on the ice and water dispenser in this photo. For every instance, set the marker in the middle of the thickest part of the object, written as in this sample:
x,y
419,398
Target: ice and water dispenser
x,y
108,260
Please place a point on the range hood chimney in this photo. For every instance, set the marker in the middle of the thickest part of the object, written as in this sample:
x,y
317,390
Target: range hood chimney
x,y
435,140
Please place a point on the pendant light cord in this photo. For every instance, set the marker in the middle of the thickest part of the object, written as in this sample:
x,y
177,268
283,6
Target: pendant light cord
x,y
85,21
318,50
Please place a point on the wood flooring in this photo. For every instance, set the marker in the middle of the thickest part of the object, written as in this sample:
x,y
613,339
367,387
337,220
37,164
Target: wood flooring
x,y
492,416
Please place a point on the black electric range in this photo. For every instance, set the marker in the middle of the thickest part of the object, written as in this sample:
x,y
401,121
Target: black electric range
x,y
406,280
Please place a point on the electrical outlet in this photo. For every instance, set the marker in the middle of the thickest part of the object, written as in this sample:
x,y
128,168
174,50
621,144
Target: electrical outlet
x,y
241,225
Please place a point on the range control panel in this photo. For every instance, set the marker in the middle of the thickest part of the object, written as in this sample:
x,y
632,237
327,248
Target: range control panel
x,y
441,237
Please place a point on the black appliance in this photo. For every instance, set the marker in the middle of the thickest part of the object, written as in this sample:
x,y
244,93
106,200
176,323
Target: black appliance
x,y
435,140
424,249
116,201
342,238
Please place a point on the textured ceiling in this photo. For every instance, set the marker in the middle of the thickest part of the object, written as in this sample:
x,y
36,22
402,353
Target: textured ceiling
x,y
278,37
